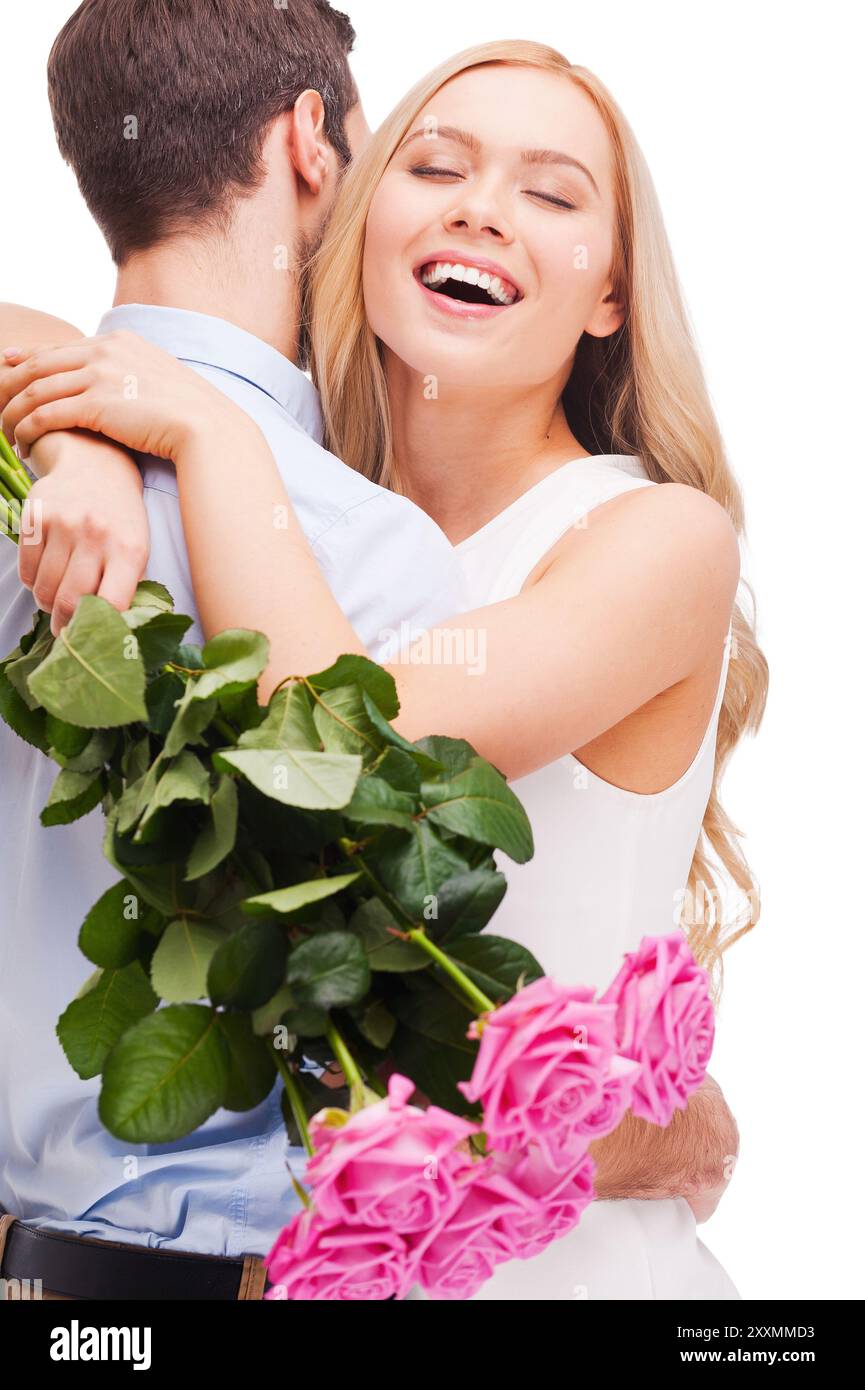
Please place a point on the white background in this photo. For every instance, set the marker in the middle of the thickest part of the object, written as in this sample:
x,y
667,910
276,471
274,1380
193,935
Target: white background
x,y
748,115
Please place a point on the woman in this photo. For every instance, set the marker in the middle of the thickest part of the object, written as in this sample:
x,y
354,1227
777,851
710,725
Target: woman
x,y
498,331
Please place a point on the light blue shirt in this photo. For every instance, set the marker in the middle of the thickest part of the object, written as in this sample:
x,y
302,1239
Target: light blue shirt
x,y
226,1189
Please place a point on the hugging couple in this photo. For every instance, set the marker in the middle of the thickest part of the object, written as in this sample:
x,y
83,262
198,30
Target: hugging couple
x,y
509,442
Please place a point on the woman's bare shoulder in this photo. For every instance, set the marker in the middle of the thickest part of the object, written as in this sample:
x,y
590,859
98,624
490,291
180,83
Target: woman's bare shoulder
x,y
666,553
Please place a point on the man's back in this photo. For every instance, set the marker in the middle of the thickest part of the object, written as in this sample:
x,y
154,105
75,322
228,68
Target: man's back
x,y
226,1189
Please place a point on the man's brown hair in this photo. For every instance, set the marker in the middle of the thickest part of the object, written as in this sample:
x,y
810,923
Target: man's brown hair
x,y
161,106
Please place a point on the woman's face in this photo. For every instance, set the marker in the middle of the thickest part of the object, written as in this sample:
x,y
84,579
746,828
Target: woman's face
x,y
490,237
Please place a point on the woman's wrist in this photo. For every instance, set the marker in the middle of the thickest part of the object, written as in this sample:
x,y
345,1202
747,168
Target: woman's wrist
x,y
218,434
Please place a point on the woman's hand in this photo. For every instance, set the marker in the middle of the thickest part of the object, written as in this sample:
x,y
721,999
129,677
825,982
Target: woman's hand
x,y
115,384
84,527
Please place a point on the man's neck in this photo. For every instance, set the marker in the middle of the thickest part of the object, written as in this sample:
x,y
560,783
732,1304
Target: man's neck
x,y
253,291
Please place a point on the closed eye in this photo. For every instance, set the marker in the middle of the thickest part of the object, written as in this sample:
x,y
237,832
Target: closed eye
x,y
426,171
551,199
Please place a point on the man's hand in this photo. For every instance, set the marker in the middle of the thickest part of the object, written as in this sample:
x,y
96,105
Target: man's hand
x,y
84,528
692,1158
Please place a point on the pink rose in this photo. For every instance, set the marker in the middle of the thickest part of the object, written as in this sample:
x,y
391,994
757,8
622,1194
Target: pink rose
x,y
315,1259
561,1197
616,1095
664,1021
392,1165
543,1060
484,1231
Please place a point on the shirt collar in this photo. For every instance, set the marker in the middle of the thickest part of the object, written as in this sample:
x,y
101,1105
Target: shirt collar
x,y
214,342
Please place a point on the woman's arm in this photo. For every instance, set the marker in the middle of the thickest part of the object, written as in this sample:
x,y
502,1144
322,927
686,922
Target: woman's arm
x,y
87,531
629,606
30,329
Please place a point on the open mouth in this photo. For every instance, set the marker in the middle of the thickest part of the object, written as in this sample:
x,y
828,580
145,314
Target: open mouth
x,y
468,284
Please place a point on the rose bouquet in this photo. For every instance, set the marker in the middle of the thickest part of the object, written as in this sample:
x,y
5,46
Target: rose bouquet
x,y
400,1195
302,891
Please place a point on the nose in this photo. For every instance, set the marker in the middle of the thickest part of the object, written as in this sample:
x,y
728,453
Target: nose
x,y
478,214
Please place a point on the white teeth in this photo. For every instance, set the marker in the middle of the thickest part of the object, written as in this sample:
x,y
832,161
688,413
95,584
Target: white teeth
x,y
437,273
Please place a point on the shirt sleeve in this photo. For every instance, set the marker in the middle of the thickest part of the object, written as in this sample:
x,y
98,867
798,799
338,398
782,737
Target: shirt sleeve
x,y
392,570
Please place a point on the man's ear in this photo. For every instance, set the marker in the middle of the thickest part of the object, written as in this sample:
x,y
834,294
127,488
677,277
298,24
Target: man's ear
x,y
310,152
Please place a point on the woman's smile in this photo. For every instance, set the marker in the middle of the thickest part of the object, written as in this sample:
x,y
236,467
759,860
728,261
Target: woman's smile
x,y
466,287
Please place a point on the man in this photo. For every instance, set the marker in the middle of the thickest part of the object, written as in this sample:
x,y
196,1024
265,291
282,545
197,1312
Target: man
x,y
210,165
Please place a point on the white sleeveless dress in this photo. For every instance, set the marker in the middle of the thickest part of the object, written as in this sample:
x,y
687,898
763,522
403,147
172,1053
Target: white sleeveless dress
x,y
609,867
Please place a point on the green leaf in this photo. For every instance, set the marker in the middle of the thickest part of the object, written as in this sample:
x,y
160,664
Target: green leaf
x,y
466,902
267,1016
329,970
359,670
249,967
375,926
252,1065
287,900
92,677
96,753
111,933
90,983
163,695
180,962
400,770
231,658
377,1025
376,802
157,884
415,868
313,781
428,766
185,779
305,1021
431,1010
160,637
216,840
30,654
27,723
343,723
480,804
454,754
435,1070
151,596
190,720
66,739
136,759
166,1076
496,964
73,795
92,1024
287,724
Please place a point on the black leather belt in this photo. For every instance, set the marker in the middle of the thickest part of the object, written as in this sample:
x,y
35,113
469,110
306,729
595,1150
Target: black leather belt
x,y
83,1268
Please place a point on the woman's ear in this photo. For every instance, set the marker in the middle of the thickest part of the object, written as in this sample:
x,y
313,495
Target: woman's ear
x,y
310,151
608,315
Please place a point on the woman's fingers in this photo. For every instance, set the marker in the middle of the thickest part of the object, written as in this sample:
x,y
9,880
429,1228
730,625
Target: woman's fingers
x,y
46,362
124,569
52,567
40,392
31,542
71,413
81,577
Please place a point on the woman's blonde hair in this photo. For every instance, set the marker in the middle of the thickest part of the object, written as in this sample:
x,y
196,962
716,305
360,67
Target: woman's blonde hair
x,y
640,391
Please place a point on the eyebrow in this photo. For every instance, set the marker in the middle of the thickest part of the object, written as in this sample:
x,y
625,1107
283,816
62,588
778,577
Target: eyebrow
x,y
556,157
471,142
